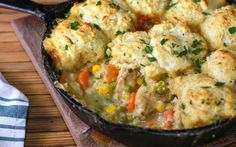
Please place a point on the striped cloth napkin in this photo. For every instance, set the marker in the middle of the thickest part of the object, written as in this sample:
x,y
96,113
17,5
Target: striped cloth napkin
x,y
13,112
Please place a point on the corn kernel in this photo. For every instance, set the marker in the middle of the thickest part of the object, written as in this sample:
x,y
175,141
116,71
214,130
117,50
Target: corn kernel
x,y
96,68
160,106
139,81
126,96
169,106
110,109
104,89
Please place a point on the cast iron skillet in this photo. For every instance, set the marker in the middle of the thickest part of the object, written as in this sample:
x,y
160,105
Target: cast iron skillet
x,y
129,135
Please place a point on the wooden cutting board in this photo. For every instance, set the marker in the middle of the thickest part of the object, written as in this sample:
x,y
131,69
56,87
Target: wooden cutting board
x,y
29,31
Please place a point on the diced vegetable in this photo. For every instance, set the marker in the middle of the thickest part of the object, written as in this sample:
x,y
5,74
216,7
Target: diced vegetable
x,y
83,79
139,81
127,88
126,96
111,73
160,106
169,106
110,109
168,119
62,78
131,104
104,89
161,87
96,68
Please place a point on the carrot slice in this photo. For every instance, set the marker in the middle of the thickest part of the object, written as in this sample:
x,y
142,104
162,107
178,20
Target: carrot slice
x,y
83,79
168,119
111,73
62,78
131,104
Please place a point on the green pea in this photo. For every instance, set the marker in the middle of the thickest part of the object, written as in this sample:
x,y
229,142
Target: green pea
x,y
161,87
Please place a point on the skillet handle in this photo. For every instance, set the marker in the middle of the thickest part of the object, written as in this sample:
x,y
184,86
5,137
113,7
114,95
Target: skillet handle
x,y
44,12
26,6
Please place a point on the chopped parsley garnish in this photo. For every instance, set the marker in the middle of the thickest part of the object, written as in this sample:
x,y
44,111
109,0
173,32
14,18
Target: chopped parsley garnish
x,y
149,24
181,53
163,41
197,51
142,65
205,87
120,33
143,41
200,61
183,106
98,3
74,25
171,5
191,102
67,14
219,101
225,44
113,5
205,13
152,59
196,43
148,49
81,15
196,1
174,45
96,26
219,84
196,71
232,30
66,47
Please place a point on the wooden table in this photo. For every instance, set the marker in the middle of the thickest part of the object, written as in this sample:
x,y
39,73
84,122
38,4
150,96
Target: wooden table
x,y
45,126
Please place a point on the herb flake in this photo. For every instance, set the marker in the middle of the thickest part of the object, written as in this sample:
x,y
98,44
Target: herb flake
x,y
170,6
74,25
197,51
152,59
98,3
120,33
163,41
183,106
96,26
148,49
67,14
199,62
219,84
66,47
232,30
149,24
196,1
196,43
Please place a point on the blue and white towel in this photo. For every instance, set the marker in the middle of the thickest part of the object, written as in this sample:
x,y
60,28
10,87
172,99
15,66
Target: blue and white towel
x,y
13,112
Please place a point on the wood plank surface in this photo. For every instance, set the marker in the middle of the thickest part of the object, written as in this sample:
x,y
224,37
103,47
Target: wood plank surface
x,y
45,127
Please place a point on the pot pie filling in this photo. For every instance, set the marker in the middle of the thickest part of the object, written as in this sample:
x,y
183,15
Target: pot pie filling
x,y
153,64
